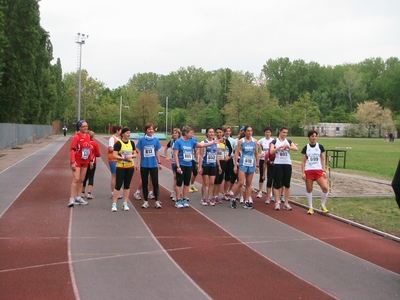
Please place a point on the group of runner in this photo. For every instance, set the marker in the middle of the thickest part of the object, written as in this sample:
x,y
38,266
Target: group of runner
x,y
227,166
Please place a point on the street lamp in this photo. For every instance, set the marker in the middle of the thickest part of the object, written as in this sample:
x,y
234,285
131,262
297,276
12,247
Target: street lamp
x,y
166,116
80,40
120,110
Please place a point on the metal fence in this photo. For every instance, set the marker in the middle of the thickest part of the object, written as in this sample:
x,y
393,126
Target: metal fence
x,y
12,135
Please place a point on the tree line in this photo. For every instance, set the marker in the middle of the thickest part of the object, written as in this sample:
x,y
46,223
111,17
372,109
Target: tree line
x,y
291,93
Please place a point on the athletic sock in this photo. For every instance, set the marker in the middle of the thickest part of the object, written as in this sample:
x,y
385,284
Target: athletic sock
x,y
324,196
309,199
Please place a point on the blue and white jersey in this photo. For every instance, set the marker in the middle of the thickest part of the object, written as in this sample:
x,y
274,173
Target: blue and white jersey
x,y
148,149
185,151
210,155
248,151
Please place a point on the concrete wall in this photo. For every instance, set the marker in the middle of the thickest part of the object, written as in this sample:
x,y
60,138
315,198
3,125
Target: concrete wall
x,y
12,135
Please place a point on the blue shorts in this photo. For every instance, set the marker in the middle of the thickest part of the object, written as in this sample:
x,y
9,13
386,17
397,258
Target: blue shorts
x,y
247,170
113,167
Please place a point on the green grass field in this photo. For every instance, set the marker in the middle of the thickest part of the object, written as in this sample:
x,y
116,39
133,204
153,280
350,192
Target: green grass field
x,y
369,157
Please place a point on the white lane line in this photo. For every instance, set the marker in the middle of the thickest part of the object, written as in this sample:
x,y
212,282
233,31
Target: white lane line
x,y
71,268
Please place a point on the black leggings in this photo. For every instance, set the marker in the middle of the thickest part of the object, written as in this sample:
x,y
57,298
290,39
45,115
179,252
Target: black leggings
x,y
261,169
184,177
90,175
220,176
124,176
144,174
282,176
229,170
270,175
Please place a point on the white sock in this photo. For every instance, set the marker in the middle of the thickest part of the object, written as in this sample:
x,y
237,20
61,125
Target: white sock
x,y
324,196
137,192
309,199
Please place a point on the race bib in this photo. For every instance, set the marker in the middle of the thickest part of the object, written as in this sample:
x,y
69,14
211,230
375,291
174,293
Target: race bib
x,y
248,161
313,158
211,158
221,154
149,151
187,156
85,153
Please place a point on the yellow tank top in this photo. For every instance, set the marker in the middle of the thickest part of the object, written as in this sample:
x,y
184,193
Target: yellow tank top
x,y
126,149
222,151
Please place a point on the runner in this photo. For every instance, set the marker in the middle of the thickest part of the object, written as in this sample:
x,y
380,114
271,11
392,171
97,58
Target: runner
x,y
175,135
112,162
269,160
183,152
124,152
148,162
224,152
81,157
281,147
209,168
264,145
229,174
246,166
91,171
313,169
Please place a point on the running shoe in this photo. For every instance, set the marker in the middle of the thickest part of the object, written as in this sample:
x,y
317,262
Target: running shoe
x,y
287,206
89,196
173,198
137,195
119,197
71,202
80,201
125,206
83,195
203,202
114,207
212,201
253,190
233,203
268,200
282,198
251,200
193,189
277,206
273,198
324,209
145,204
217,200
151,195
241,200
310,211
158,204
259,195
248,205
230,193
179,204
185,203
172,195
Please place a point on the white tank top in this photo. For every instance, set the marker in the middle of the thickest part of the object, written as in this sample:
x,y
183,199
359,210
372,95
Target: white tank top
x,y
313,158
282,157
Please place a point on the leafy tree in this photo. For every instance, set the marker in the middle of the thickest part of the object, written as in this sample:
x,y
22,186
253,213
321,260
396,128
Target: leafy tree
x,y
373,117
353,86
146,109
304,112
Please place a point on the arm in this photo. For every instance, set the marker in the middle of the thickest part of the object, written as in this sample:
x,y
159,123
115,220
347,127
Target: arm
x,y
293,147
235,158
323,162
303,166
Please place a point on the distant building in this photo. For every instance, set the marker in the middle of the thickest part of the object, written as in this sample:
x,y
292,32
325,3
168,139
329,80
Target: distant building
x,y
345,130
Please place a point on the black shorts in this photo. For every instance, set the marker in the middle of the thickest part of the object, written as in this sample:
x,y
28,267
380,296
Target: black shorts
x,y
210,171
282,176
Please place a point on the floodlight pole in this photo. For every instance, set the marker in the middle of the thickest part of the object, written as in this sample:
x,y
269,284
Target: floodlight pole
x,y
80,40
166,116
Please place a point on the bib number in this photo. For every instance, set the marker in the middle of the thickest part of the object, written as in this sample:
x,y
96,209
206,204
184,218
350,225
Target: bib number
x,y
85,153
248,161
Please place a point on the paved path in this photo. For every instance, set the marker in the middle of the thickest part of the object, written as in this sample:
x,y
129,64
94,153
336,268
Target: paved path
x,y
48,251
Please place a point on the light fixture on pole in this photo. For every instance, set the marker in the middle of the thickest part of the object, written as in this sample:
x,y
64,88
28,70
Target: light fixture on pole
x,y
120,110
80,40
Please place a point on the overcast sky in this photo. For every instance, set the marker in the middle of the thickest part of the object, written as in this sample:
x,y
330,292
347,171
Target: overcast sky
x,y
128,37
